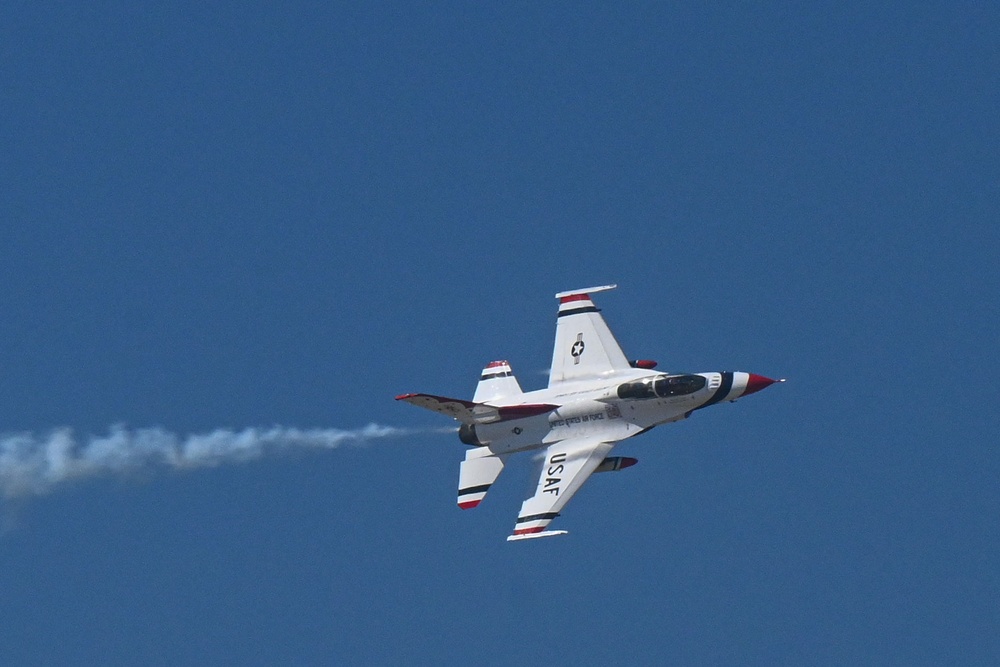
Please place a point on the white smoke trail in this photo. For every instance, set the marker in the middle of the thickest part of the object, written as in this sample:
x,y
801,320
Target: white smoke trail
x,y
32,465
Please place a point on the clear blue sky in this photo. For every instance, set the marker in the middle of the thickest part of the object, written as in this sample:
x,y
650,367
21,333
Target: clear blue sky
x,y
230,216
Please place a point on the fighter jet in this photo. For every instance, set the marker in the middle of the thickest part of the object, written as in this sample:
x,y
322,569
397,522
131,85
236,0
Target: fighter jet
x,y
596,398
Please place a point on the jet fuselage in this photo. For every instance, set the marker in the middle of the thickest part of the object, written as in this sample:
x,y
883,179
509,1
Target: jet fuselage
x,y
596,397
620,407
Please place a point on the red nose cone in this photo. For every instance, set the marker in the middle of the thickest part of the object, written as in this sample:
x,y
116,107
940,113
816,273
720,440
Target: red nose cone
x,y
756,383
628,461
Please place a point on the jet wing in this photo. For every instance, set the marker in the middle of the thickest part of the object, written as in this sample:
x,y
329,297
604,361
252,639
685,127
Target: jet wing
x,y
585,347
566,466
468,412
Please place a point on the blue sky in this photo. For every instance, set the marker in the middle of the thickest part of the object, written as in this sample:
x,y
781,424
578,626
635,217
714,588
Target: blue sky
x,y
230,217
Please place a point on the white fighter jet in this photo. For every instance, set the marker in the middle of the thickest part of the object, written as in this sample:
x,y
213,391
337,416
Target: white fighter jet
x,y
596,397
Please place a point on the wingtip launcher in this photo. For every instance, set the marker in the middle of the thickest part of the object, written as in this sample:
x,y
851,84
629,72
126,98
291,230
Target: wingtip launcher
x,y
531,536
585,291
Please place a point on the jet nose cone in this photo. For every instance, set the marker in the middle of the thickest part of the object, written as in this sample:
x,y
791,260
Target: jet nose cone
x,y
757,382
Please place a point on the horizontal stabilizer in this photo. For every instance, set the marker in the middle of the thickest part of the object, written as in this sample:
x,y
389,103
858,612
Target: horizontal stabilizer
x,y
477,474
469,412
531,536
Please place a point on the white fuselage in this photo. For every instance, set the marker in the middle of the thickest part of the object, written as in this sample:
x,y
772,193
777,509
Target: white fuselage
x,y
596,408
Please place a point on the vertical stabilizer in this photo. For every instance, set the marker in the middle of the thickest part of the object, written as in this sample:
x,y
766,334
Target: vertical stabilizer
x,y
497,382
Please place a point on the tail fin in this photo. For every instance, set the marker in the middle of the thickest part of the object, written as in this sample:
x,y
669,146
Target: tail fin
x,y
496,382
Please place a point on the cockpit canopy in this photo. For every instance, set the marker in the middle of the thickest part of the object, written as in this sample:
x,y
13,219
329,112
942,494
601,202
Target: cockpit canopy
x,y
662,386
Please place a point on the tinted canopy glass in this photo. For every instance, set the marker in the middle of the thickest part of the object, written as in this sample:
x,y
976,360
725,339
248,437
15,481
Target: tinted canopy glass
x,y
662,386
678,385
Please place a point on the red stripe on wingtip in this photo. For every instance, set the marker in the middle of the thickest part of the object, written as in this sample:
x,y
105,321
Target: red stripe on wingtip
x,y
575,297
469,504
525,531
404,396
494,364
